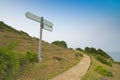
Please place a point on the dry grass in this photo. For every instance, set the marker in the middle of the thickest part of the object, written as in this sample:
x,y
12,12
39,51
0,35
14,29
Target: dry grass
x,y
50,66
93,75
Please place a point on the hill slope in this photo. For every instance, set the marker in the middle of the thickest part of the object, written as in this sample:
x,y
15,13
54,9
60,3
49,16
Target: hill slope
x,y
55,59
102,66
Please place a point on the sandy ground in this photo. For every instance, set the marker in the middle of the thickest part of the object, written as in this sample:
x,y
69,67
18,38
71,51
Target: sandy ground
x,y
76,72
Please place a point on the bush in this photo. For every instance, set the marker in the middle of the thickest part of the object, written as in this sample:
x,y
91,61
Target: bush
x,y
103,60
90,50
79,49
6,27
22,59
9,64
87,49
31,56
103,71
117,62
104,54
60,43
93,51
77,54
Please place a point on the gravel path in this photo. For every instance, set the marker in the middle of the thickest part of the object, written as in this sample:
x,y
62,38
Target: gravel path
x,y
76,72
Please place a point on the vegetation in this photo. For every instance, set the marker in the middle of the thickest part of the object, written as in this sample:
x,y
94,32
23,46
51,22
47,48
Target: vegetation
x,y
99,51
18,57
79,49
90,50
100,55
78,54
117,63
104,54
103,60
5,27
11,62
32,56
102,66
103,71
60,43
8,64
100,71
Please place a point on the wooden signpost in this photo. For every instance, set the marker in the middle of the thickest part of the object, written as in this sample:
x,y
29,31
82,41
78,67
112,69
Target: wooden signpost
x,y
44,24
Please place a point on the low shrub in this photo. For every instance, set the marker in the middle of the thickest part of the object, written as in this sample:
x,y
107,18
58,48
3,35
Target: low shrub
x,y
104,54
9,64
31,56
77,54
79,49
117,62
22,59
110,74
95,52
103,71
103,60
60,43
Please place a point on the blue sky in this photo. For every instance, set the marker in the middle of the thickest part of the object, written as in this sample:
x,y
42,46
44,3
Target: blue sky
x,y
81,23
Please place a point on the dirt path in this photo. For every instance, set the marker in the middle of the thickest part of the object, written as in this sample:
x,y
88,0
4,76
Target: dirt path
x,y
76,72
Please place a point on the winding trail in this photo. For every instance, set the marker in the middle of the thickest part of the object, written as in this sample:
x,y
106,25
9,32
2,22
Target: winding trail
x,y
76,72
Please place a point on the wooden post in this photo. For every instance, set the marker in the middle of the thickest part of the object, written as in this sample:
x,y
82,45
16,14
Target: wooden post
x,y
40,41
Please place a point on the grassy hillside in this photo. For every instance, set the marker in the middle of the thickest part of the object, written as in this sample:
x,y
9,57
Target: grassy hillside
x,y
100,69
55,59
